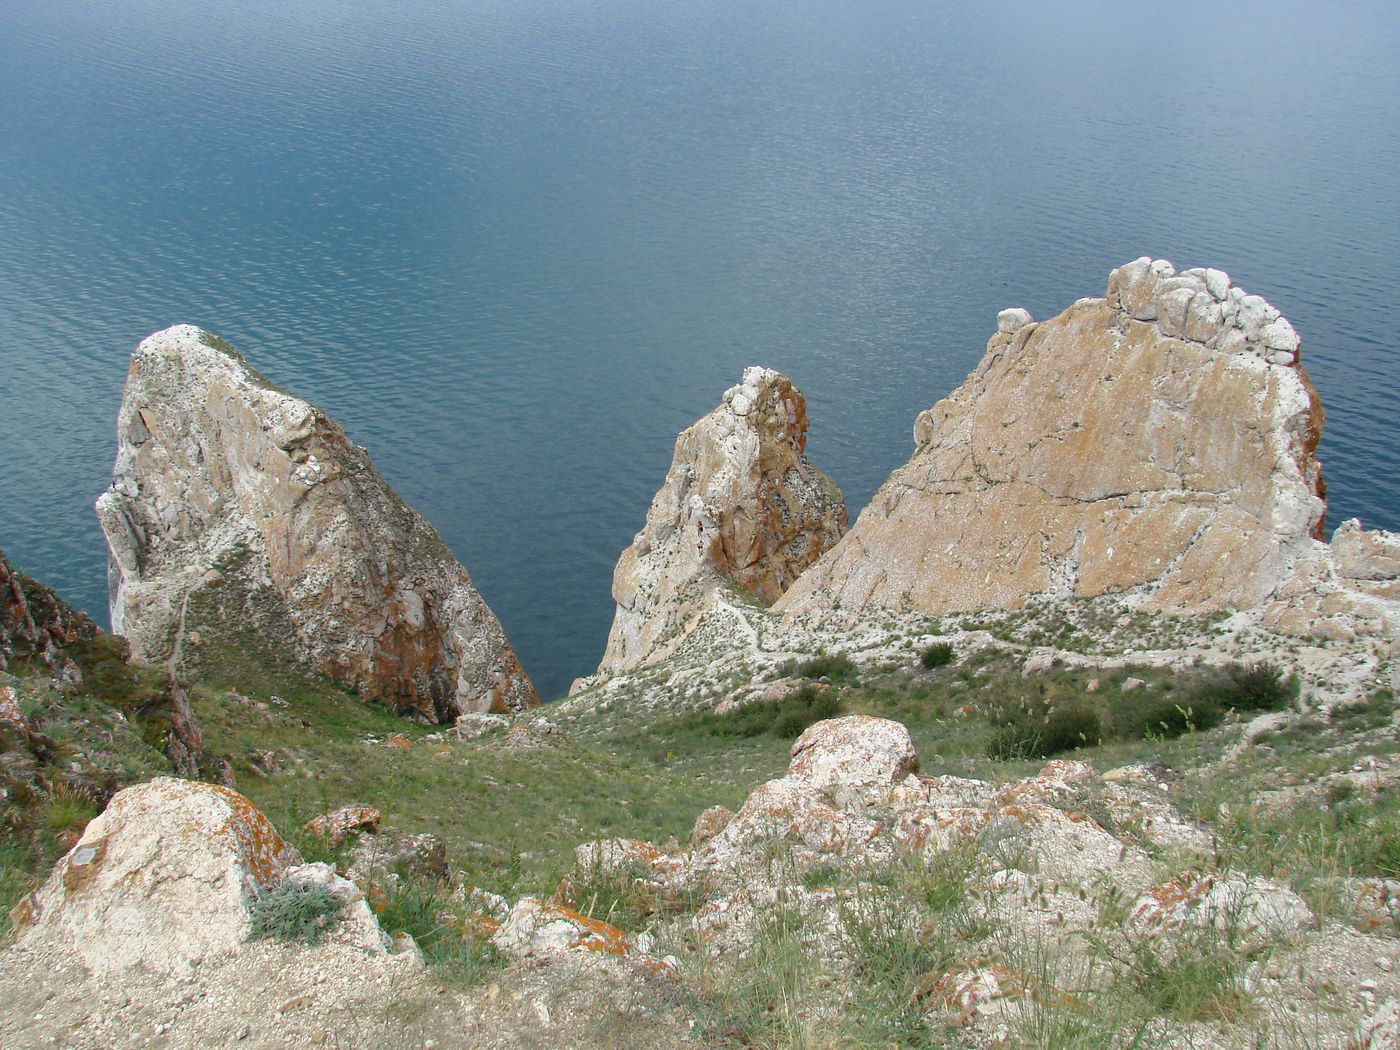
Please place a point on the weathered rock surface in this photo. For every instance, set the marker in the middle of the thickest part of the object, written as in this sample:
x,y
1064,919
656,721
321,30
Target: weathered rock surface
x,y
1156,443
239,515
36,625
741,504
161,879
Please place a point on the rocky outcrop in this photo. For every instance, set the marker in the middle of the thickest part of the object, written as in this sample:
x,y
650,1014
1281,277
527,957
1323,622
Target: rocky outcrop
x,y
741,504
241,517
1157,444
161,879
38,627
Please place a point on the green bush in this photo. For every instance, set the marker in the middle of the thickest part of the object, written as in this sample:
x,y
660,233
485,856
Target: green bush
x,y
1243,687
940,654
1139,715
294,911
834,668
787,717
1036,729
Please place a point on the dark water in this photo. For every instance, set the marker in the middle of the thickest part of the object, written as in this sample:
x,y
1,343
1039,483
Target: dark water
x,y
515,245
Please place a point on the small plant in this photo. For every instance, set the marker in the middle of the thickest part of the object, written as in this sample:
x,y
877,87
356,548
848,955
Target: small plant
x,y
940,654
68,809
1033,728
294,911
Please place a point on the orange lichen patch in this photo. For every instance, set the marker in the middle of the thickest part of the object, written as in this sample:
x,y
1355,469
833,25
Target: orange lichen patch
x,y
262,851
81,864
940,828
24,912
399,740
336,824
1182,891
963,990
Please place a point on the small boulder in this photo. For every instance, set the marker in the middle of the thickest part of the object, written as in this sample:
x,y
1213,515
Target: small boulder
x,y
856,758
161,879
383,856
337,824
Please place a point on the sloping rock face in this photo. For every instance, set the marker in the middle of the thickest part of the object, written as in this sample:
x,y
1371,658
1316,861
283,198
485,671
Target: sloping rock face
x,y
239,515
160,879
1157,442
741,504
36,625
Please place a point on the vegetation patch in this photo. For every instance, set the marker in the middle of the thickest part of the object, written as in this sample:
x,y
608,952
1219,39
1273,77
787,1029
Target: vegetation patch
x,y
294,911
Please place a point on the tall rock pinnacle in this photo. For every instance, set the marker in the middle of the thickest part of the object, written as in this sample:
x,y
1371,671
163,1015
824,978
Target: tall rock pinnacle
x,y
240,515
741,504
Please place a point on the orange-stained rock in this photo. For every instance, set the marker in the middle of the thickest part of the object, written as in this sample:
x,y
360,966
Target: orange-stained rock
x,y
239,514
338,823
855,757
161,878
741,504
1157,442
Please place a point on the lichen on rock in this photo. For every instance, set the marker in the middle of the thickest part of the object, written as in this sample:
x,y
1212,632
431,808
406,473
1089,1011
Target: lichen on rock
x,y
1156,444
741,505
239,514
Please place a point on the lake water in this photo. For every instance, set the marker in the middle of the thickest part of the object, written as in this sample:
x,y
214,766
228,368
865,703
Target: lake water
x,y
514,246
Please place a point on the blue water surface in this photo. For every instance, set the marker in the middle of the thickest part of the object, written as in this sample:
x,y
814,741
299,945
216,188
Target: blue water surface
x,y
514,246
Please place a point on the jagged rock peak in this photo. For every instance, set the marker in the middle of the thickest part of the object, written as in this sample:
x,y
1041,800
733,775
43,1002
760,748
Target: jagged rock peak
x,y
741,504
242,517
1158,442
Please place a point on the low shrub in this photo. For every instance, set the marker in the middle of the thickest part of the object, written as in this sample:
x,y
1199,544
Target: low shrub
x,y
787,717
1033,728
940,654
1139,715
834,668
1242,687
294,911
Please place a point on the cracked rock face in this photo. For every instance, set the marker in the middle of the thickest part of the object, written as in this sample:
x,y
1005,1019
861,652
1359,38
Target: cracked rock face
x,y
1156,442
741,504
241,517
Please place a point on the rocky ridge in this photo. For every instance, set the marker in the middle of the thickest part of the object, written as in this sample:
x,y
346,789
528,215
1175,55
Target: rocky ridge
x,y
241,516
1156,444
741,505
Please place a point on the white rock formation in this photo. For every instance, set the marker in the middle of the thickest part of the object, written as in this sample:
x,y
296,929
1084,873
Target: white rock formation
x,y
1156,444
240,516
160,879
741,504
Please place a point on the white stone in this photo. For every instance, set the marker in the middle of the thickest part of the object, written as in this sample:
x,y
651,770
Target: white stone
x,y
1013,320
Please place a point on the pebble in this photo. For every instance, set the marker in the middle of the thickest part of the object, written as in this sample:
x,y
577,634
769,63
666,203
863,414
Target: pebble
x,y
243,1033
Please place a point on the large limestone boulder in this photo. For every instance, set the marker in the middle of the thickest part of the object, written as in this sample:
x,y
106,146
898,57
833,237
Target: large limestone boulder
x,y
741,504
241,516
161,879
1156,443
855,757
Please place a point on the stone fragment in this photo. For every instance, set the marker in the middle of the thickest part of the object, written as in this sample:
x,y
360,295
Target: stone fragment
x,y
242,515
709,824
855,757
741,505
